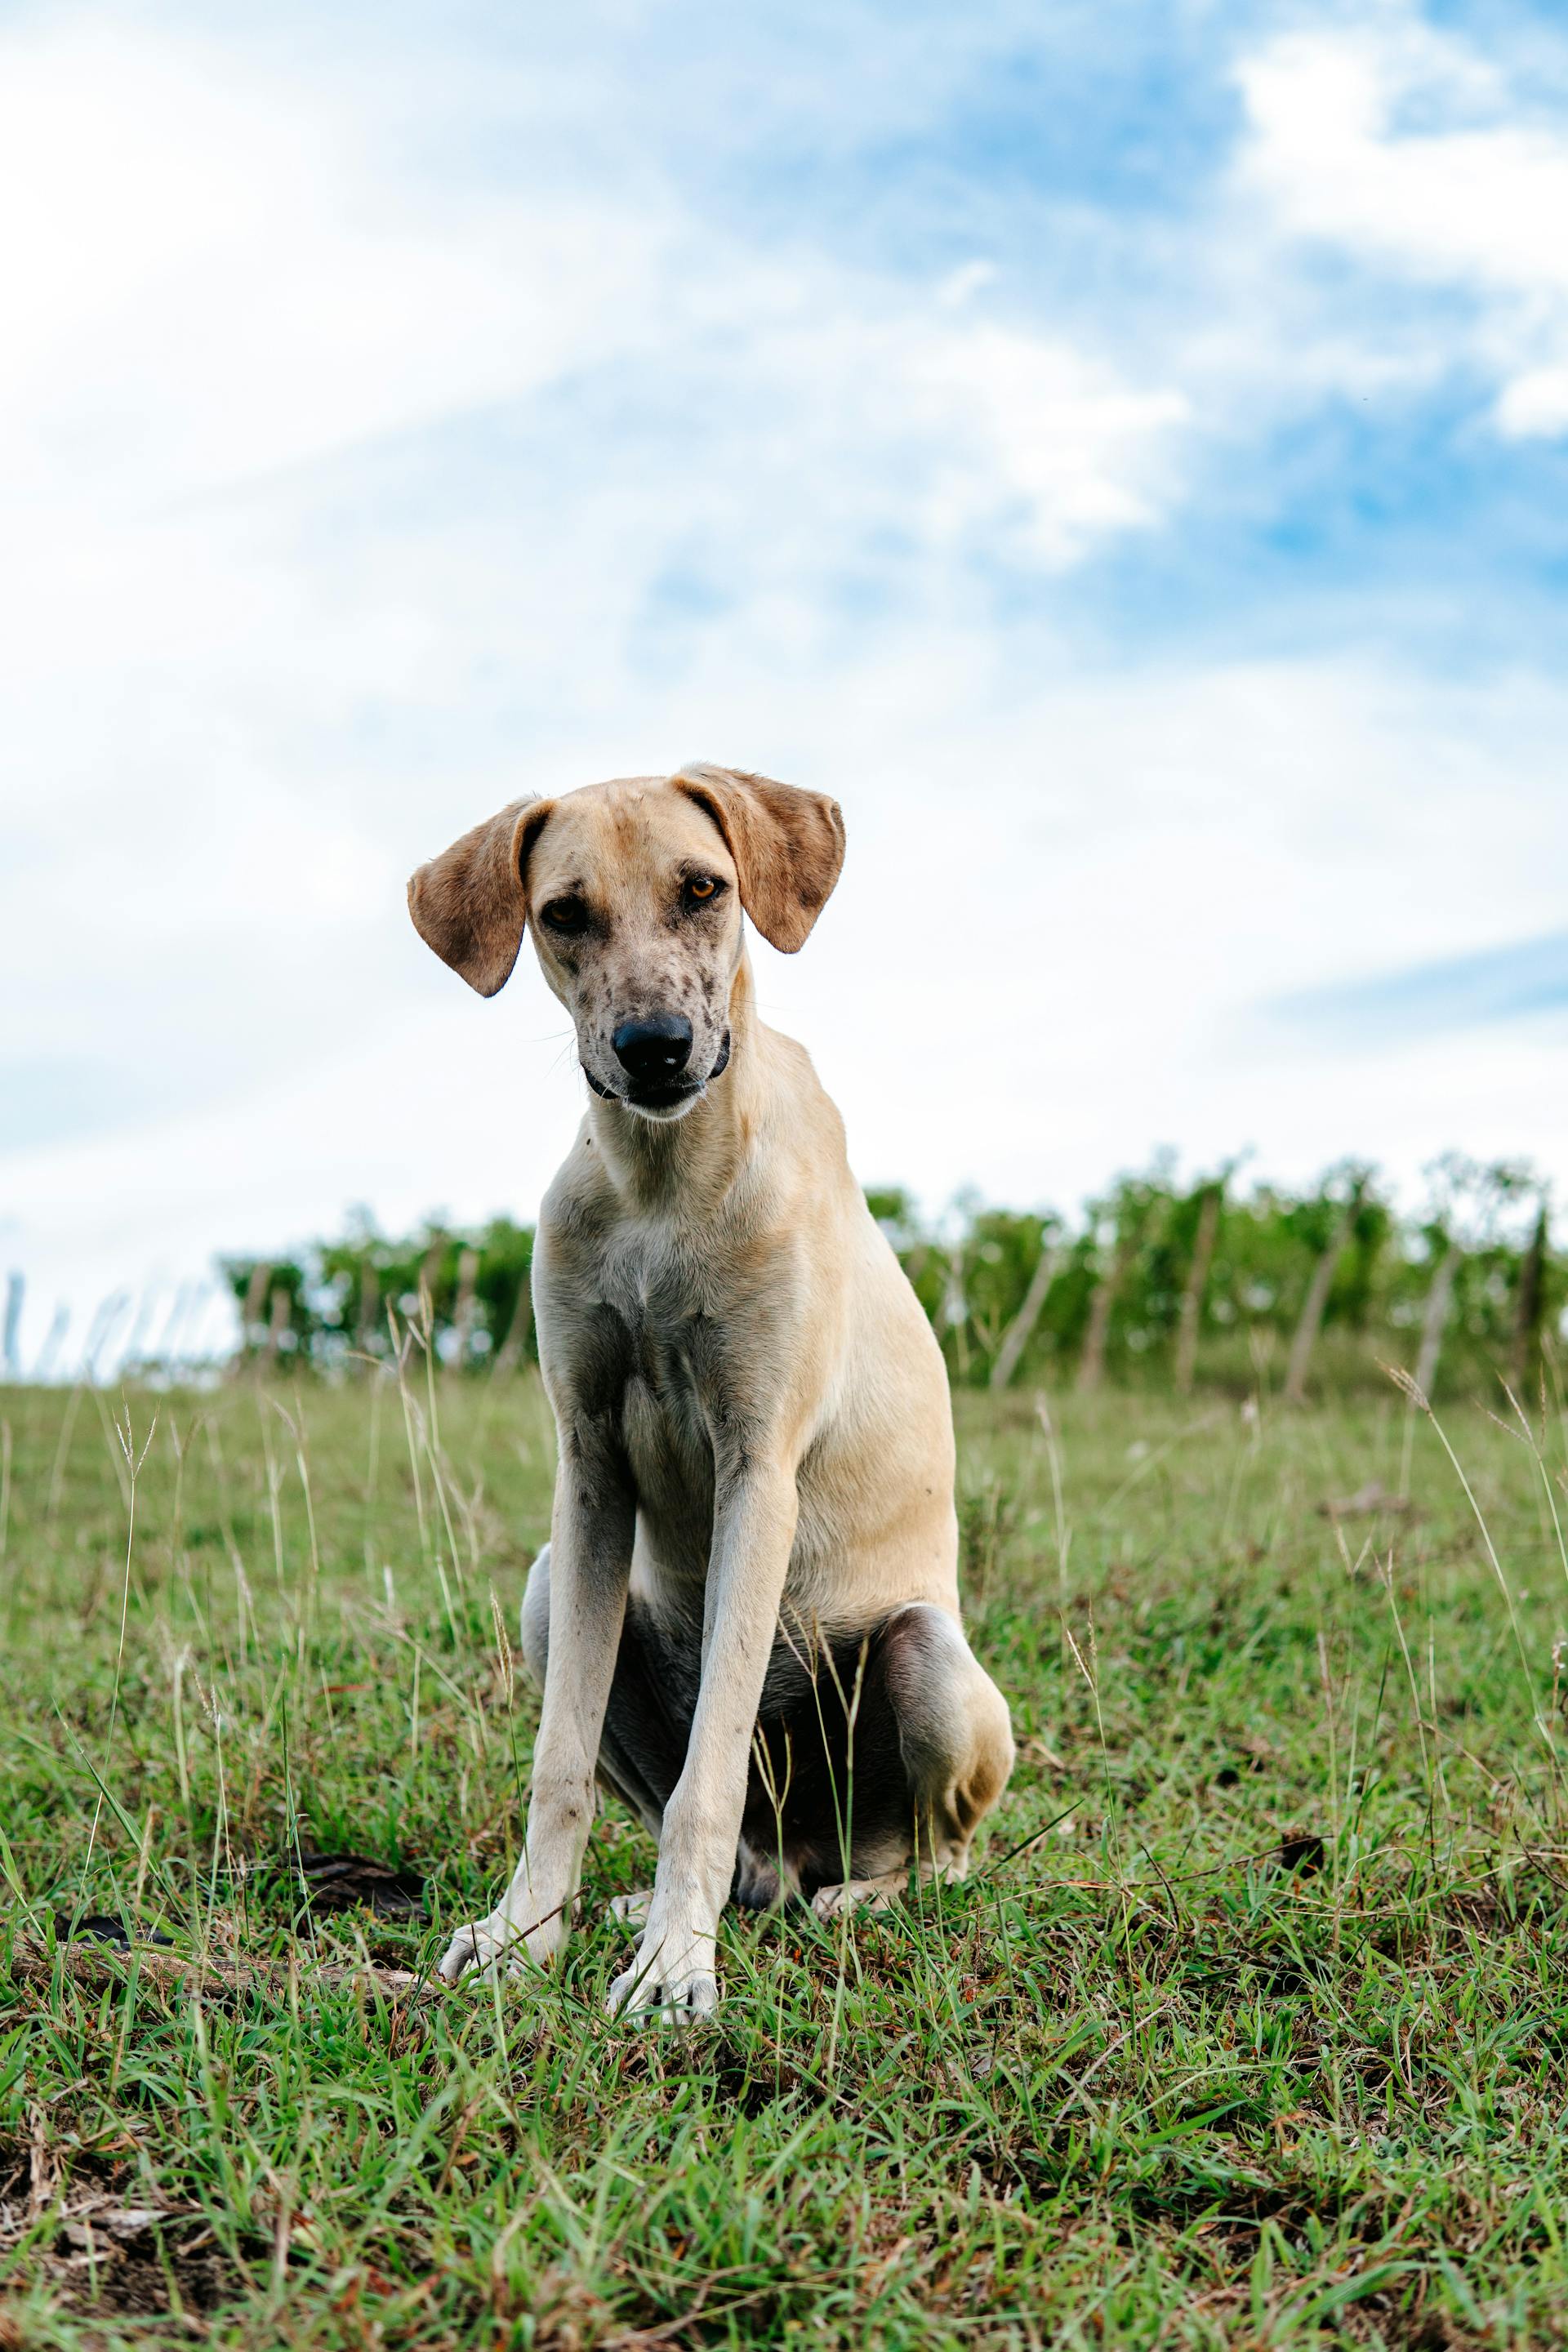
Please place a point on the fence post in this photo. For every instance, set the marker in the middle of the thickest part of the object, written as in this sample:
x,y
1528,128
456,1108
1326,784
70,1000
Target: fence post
x,y
510,1354
53,1343
463,1312
10,1346
1315,1300
1197,1283
1528,1310
277,1324
955,1308
255,1304
1091,1364
1435,1322
1019,1332
369,1307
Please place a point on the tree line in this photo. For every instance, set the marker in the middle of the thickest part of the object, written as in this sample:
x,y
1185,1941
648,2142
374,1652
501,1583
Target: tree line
x,y
1217,1283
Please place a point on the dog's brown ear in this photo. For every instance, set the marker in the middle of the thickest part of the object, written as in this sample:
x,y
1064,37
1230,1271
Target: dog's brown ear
x,y
788,847
470,904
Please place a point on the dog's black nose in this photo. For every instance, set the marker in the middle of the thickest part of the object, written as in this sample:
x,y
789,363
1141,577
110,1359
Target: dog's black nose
x,y
652,1052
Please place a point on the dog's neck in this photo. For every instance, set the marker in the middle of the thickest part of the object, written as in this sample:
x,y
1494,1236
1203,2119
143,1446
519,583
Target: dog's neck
x,y
689,1162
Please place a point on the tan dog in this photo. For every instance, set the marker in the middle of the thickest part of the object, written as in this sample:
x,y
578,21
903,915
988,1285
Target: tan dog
x,y
746,1620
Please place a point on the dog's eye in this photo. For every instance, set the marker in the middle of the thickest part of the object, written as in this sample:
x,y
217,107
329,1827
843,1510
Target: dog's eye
x,y
702,888
566,915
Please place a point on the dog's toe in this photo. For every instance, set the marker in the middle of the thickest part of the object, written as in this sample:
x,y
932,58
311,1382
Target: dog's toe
x,y
485,1947
458,1956
854,1895
645,1994
630,1910
637,1988
698,1998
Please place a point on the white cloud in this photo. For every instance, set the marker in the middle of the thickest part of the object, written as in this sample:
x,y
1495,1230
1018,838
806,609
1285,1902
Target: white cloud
x,y
1082,453
259,605
1410,152
215,275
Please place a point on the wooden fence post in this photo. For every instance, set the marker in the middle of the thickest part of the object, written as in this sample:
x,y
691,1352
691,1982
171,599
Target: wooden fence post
x,y
11,1344
252,1314
277,1324
510,1354
1020,1331
955,1308
463,1313
1435,1322
369,1306
1528,1312
1315,1300
53,1343
1095,1338
429,1276
1197,1283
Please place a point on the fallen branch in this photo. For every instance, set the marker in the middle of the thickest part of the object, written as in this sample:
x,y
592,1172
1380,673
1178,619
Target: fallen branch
x,y
94,1966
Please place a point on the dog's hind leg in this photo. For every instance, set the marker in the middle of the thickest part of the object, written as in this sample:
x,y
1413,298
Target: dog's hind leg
x,y
931,1752
953,1730
861,1894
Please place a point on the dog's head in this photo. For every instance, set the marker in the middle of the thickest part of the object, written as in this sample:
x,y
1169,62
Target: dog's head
x,y
633,892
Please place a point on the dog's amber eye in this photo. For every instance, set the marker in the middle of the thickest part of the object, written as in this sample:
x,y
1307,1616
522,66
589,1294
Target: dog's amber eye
x,y
566,915
702,888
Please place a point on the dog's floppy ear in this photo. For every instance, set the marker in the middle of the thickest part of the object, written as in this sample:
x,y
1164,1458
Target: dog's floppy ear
x,y
470,904
788,847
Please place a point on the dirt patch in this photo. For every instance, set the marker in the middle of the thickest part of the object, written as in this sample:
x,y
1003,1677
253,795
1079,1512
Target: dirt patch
x,y
167,2267
100,2245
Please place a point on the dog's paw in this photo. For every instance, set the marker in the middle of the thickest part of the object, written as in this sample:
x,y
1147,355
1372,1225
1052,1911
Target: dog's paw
x,y
855,1894
648,1997
675,1990
487,1948
630,1910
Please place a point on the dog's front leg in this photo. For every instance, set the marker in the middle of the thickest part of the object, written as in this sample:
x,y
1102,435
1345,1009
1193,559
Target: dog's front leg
x,y
754,1534
590,1564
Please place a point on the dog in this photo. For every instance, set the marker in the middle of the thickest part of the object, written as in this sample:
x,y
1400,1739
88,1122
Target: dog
x,y
745,1624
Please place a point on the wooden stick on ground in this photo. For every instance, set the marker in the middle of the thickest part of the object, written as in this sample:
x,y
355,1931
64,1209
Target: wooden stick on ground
x,y
95,1965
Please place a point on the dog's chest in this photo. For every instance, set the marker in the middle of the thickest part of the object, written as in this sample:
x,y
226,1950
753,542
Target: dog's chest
x,y
672,1372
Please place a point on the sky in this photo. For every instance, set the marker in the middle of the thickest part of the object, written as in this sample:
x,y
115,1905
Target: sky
x,y
1120,452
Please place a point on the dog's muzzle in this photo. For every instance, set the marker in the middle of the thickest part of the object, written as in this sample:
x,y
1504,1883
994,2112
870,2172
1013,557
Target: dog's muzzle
x,y
654,1056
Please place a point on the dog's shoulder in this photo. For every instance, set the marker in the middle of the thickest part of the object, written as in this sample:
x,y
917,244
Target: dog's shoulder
x,y
580,1204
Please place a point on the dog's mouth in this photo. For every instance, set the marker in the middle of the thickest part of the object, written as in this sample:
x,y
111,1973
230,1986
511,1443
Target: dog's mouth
x,y
668,1100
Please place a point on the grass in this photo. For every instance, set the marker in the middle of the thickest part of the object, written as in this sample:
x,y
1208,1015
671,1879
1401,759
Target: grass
x,y
1138,2083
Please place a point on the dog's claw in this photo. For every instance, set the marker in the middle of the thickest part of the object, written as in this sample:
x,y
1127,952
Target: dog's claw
x,y
673,1997
489,1947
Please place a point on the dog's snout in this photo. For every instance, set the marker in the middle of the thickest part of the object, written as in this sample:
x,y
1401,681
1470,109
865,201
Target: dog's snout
x,y
654,1051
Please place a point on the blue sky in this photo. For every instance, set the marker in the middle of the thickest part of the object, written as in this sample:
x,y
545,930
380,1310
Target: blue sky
x,y
1507,984
1121,451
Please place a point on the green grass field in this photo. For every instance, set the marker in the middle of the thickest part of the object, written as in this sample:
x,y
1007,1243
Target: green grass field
x,y
1137,2083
